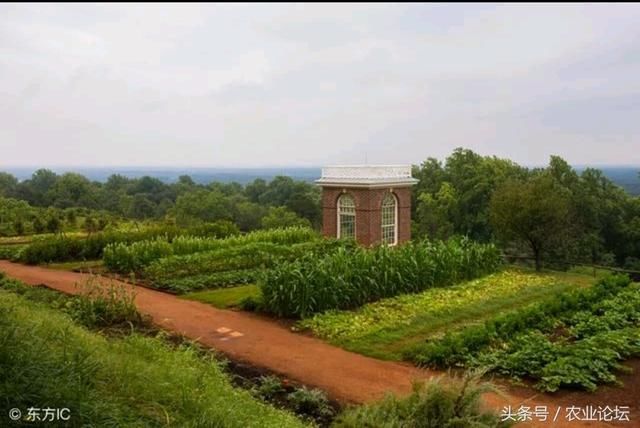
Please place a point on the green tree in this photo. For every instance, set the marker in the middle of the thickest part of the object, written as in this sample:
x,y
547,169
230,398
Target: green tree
x,y
8,185
54,225
38,225
279,217
435,213
141,207
535,212
248,215
202,206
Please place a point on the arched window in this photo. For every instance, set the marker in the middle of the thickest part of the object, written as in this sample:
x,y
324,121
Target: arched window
x,y
346,217
389,219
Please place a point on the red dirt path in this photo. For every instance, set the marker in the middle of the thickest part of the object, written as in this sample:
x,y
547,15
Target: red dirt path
x,y
345,376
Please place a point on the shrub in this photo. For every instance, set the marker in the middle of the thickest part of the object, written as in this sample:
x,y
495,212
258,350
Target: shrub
x,y
435,404
346,279
312,403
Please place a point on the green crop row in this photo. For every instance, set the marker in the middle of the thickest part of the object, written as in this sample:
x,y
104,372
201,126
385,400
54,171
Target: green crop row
x,y
207,281
581,350
251,255
455,348
11,252
63,248
134,257
348,279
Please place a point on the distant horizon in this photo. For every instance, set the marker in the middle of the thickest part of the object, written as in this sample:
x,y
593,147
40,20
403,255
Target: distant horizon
x,y
170,166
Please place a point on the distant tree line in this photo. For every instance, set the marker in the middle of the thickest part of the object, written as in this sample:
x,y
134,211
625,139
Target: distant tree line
x,y
280,202
552,213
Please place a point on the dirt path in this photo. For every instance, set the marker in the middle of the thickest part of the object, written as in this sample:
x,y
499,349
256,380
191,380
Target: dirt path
x,y
344,375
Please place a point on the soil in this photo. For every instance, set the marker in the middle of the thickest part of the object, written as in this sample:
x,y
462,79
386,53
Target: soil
x,y
347,377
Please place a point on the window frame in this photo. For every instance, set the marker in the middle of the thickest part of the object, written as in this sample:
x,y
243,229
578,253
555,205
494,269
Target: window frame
x,y
339,212
383,226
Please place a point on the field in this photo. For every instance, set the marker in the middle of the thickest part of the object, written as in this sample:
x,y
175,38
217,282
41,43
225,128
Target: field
x,y
388,328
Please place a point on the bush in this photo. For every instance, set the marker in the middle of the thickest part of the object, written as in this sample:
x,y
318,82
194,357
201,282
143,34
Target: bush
x,y
436,404
346,279
312,403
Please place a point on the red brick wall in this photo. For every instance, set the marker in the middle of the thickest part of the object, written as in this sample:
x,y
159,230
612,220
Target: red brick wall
x,y
368,212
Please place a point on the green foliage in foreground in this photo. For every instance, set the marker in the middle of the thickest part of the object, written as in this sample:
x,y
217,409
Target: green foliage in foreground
x,y
48,361
133,257
577,338
436,404
349,279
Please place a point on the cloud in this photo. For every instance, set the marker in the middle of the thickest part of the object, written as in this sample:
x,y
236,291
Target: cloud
x,y
312,84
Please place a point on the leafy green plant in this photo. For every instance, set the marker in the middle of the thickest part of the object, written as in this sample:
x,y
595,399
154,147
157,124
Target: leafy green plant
x,y
312,403
268,387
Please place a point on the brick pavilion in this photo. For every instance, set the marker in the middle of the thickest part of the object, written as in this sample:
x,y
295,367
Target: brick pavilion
x,y
369,203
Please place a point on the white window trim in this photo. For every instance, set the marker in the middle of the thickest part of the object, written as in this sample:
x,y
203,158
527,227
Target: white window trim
x,y
395,220
355,222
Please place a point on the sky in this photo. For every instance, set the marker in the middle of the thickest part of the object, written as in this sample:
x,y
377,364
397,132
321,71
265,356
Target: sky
x,y
242,85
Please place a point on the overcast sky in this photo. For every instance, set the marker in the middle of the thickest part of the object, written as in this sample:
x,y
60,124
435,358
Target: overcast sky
x,y
252,85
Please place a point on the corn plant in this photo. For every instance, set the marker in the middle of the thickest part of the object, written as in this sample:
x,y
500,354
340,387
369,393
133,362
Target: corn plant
x,y
346,279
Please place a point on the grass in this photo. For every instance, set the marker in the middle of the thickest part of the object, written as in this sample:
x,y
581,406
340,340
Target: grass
x,y
224,298
47,360
388,328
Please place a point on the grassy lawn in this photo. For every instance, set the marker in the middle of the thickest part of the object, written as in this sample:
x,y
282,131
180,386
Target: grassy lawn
x,y
388,328
224,298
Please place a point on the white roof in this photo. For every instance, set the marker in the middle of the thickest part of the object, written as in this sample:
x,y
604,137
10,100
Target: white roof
x,y
366,175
